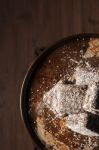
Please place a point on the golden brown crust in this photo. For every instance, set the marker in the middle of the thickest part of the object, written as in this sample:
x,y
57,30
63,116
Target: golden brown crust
x,y
93,49
48,138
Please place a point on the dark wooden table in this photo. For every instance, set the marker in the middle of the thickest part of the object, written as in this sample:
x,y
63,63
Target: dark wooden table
x,y
26,25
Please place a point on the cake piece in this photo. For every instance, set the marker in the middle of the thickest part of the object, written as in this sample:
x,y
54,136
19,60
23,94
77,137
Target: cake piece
x,y
64,99
86,75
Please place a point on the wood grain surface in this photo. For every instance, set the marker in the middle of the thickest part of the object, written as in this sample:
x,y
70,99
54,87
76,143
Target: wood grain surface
x,y
26,25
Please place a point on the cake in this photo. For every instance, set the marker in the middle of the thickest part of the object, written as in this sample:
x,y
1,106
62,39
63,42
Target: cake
x,y
64,97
